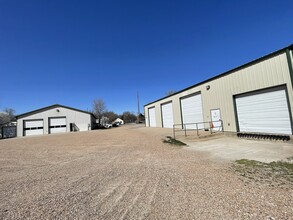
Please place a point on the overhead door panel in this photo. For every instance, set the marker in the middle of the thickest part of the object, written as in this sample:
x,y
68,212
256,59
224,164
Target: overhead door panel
x,y
58,121
57,125
167,115
191,108
33,127
265,112
152,117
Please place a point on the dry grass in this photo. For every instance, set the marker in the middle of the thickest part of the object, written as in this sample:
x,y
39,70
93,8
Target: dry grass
x,y
274,174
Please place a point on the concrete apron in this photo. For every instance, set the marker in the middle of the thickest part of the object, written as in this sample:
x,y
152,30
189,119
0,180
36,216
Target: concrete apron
x,y
234,148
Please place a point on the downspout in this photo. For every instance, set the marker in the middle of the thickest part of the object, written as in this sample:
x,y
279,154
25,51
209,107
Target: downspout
x,y
290,66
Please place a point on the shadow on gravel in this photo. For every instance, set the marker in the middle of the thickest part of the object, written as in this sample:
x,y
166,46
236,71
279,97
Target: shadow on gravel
x,y
172,141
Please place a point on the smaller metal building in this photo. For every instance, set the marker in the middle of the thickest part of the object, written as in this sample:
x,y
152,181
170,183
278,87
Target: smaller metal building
x,y
255,97
54,119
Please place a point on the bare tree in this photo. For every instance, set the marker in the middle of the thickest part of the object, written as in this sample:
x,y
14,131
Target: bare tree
x,y
7,115
111,115
171,92
128,117
99,108
10,112
4,118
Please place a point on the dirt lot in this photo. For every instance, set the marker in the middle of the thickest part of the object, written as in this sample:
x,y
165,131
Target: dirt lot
x,y
127,173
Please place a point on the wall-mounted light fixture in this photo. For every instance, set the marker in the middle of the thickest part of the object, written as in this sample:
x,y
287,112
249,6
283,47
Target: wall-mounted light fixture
x,y
208,87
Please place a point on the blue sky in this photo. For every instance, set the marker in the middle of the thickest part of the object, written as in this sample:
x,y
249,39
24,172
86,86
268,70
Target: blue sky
x,y
72,52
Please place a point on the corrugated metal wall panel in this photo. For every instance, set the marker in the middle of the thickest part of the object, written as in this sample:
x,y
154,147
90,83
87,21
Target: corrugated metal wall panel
x,y
267,73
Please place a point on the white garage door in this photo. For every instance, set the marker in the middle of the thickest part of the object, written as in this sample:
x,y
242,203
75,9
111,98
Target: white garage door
x,y
152,117
33,127
167,115
264,112
191,108
57,125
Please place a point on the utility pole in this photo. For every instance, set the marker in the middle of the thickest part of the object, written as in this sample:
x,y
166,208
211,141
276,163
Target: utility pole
x,y
138,109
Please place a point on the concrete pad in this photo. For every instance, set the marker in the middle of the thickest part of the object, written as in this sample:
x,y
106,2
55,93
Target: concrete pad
x,y
233,148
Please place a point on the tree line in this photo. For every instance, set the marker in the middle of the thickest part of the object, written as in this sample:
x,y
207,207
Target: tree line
x,y
100,110
7,116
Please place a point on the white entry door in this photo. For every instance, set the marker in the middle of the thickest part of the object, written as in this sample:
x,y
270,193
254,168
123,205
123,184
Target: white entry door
x,y
57,125
216,117
265,112
33,127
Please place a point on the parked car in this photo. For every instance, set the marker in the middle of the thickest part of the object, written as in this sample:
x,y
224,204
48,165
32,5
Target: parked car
x,y
107,125
116,124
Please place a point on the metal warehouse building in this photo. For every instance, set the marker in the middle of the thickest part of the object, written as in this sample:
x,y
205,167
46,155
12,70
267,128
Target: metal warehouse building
x,y
54,119
255,97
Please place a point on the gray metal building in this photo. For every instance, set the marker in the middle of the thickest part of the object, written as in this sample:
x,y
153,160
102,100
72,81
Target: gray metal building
x,y
255,97
54,119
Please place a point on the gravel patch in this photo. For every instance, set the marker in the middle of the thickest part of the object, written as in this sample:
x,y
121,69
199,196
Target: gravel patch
x,y
127,173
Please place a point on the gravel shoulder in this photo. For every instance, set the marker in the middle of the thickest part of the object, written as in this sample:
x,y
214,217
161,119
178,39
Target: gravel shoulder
x,y
127,173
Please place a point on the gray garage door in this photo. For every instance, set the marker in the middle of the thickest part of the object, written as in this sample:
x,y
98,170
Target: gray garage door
x,y
152,117
57,125
167,115
265,112
33,127
191,108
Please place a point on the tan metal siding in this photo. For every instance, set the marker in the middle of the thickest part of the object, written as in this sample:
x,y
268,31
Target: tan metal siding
x,y
271,72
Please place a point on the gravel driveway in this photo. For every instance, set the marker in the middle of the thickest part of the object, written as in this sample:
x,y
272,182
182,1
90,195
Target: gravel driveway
x,y
126,173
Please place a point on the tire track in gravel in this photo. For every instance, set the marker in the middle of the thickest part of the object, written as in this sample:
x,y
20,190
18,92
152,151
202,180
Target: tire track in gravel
x,y
110,202
55,185
128,200
65,194
90,190
143,203
134,203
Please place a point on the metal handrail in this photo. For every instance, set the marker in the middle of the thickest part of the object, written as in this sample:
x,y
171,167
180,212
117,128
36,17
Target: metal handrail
x,y
183,127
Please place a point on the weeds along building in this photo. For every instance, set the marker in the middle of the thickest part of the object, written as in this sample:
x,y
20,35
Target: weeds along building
x,y
254,97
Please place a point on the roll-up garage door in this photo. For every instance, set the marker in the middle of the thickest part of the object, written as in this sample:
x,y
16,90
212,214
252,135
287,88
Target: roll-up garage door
x,y
167,115
57,125
265,112
33,127
191,108
152,117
